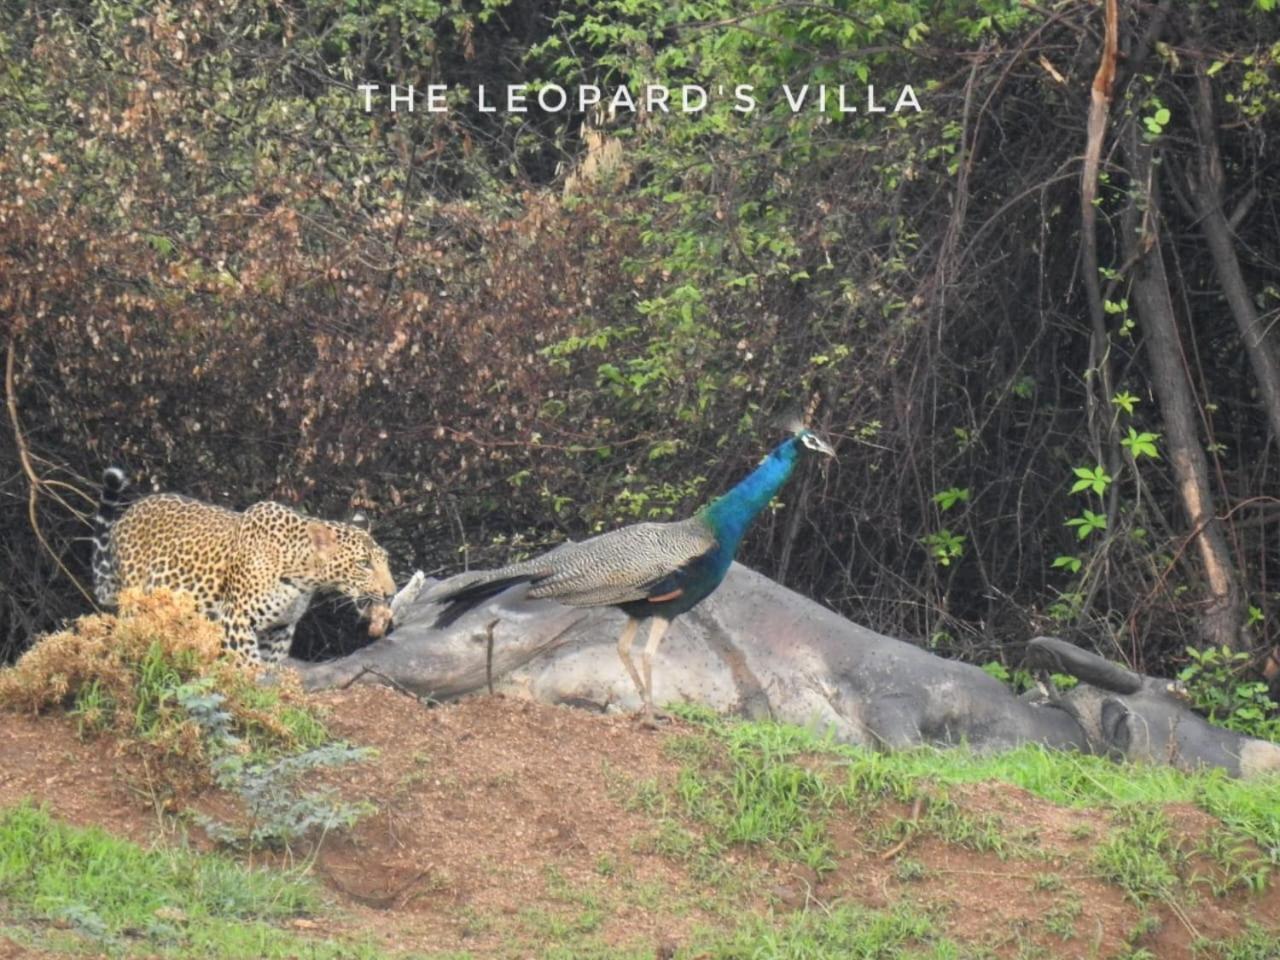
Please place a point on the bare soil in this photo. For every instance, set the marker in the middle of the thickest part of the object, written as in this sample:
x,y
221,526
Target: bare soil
x,y
503,826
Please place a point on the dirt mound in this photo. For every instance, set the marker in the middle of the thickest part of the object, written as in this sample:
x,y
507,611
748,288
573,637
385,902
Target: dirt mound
x,y
507,828
493,807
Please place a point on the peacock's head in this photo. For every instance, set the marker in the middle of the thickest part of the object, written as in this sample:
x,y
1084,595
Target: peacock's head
x,y
809,441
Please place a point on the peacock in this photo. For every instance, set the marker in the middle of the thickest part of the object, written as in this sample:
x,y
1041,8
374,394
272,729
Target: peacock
x,y
653,571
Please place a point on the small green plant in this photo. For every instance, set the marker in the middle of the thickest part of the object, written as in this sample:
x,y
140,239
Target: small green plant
x,y
1047,881
1238,862
1022,680
1095,479
1061,919
279,814
94,709
1087,523
946,499
1069,562
984,833
672,840
1125,400
647,796
907,870
1141,444
1256,943
1140,856
1067,607
944,546
1212,680
1156,120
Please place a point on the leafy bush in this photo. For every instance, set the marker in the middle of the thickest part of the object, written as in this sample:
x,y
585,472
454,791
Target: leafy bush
x,y
1214,683
154,677
128,673
278,812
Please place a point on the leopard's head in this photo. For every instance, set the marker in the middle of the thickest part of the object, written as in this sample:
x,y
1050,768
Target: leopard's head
x,y
350,561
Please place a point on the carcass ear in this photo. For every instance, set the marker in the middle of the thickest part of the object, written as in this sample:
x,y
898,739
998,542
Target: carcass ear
x,y
323,540
1116,734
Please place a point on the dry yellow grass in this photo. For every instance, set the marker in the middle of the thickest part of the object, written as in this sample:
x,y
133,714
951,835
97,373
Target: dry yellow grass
x,y
114,669
108,649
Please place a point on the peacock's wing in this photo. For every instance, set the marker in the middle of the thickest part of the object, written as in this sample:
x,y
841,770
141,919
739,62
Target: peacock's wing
x,y
646,560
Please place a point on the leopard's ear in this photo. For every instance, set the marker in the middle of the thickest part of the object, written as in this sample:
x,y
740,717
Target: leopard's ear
x,y
359,520
323,540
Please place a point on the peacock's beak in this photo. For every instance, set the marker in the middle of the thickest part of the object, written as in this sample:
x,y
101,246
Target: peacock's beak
x,y
823,447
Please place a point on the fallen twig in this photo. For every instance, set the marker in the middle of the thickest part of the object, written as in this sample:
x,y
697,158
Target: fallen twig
x,y
916,807
389,681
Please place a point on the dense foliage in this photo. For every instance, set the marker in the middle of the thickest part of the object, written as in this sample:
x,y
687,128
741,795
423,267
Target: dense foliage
x,y
493,330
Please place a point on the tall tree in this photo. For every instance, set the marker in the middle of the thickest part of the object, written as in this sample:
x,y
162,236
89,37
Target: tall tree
x,y
1143,244
1207,191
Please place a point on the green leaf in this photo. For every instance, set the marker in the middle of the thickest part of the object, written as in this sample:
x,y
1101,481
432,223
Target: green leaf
x,y
1087,522
1141,444
1096,480
1125,401
947,499
994,668
944,546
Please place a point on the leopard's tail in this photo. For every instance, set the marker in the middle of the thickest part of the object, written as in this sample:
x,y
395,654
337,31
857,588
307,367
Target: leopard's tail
x,y
110,500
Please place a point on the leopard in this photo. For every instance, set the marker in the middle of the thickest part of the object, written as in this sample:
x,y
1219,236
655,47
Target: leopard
x,y
255,572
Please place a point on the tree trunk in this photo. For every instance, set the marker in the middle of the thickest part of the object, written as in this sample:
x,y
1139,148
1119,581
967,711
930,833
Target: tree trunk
x,y
1153,303
1102,422
1213,222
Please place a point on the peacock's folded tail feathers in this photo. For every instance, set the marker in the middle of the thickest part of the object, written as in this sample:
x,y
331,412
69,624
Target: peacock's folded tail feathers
x,y
616,567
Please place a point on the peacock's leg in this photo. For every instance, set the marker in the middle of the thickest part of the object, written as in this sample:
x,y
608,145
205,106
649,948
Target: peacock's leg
x,y
624,651
657,630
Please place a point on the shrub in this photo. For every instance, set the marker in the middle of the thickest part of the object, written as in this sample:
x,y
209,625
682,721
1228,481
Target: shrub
x,y
134,674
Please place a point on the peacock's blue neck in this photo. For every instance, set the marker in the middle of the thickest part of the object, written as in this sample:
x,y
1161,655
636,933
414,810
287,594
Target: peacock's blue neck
x,y
730,515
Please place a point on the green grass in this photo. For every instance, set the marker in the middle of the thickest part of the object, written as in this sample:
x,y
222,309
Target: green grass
x,y
743,781
1141,856
305,728
116,895
1060,920
1254,944
1248,808
840,933
776,787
